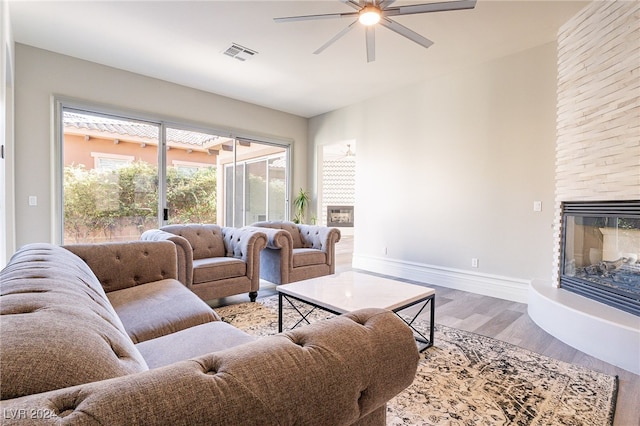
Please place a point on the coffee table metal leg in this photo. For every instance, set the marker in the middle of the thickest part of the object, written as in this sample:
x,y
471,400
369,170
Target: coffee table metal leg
x,y
433,319
421,338
279,312
303,316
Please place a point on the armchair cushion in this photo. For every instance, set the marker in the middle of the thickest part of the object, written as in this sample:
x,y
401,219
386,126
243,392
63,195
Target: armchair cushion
x,y
307,256
293,229
206,240
217,268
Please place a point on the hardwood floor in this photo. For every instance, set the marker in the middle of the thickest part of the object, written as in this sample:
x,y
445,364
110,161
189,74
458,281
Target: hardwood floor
x,y
506,321
509,322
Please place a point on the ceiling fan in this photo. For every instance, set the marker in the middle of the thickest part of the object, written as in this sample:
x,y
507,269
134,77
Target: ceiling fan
x,y
372,12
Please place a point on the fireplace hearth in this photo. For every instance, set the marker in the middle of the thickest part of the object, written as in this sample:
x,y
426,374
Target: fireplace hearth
x,y
600,252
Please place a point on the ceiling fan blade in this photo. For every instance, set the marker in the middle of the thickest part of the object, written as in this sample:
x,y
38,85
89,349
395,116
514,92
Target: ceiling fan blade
x,y
431,7
352,3
335,38
371,43
406,32
315,17
385,3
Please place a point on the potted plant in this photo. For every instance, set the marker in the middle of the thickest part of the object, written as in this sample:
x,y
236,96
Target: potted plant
x,y
300,204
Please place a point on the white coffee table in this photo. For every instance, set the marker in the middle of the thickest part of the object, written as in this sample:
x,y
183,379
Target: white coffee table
x,y
351,290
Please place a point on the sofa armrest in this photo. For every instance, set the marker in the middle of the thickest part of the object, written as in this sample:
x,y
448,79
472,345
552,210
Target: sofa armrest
x,y
276,238
183,251
321,238
276,262
128,264
246,244
340,370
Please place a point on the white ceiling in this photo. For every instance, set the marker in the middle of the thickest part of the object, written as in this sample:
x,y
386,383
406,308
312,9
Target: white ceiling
x,y
183,41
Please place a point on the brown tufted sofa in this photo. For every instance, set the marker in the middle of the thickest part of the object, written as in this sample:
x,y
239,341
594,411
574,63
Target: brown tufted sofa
x,y
215,261
297,252
105,335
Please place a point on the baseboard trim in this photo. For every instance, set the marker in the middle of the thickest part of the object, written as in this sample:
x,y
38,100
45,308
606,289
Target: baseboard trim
x,y
507,288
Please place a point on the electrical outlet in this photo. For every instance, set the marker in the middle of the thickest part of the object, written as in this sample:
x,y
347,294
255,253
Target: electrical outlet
x,y
474,262
33,200
537,206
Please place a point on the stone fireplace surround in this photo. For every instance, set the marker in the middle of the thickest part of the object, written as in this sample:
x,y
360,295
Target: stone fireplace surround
x,y
597,158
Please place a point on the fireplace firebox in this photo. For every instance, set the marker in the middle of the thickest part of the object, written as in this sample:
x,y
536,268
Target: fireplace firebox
x,y
341,216
600,252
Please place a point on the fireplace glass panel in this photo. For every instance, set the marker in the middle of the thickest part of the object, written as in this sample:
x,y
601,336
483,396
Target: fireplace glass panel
x,y
600,258
340,216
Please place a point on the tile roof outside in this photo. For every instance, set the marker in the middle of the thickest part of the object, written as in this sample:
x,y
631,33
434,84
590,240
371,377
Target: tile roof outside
x,y
137,129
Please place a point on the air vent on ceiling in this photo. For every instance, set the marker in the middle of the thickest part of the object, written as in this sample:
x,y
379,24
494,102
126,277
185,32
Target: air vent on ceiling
x,y
239,52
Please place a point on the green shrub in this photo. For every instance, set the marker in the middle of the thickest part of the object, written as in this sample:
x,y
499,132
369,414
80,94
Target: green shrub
x,y
121,204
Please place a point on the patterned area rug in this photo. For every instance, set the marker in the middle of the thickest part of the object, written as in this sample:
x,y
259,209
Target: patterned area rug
x,y
468,379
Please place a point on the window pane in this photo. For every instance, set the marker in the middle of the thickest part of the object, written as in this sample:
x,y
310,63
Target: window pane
x,y
239,196
192,176
260,186
256,192
110,189
277,188
228,190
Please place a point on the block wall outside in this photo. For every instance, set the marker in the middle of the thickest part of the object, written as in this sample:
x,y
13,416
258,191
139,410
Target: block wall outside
x,y
598,109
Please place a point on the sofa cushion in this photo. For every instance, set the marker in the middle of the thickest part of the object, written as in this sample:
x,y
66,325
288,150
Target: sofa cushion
x,y
217,268
155,309
192,342
305,257
58,328
206,240
126,264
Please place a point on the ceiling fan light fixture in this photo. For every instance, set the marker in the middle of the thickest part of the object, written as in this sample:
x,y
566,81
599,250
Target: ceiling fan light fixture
x,y
372,12
369,15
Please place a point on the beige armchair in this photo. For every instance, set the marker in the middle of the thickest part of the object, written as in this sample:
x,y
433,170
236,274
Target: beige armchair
x,y
215,261
297,252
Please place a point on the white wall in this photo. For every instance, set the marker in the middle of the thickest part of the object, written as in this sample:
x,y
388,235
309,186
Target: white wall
x,y
448,170
42,74
7,232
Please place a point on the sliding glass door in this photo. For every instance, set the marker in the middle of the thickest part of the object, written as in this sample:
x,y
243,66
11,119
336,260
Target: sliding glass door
x,y
110,177
123,176
192,175
256,184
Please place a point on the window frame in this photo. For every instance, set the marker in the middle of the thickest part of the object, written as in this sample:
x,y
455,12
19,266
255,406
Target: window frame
x,y
61,104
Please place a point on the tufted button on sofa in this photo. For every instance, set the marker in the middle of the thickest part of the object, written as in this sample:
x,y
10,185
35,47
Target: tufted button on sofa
x,y
104,334
215,261
297,252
